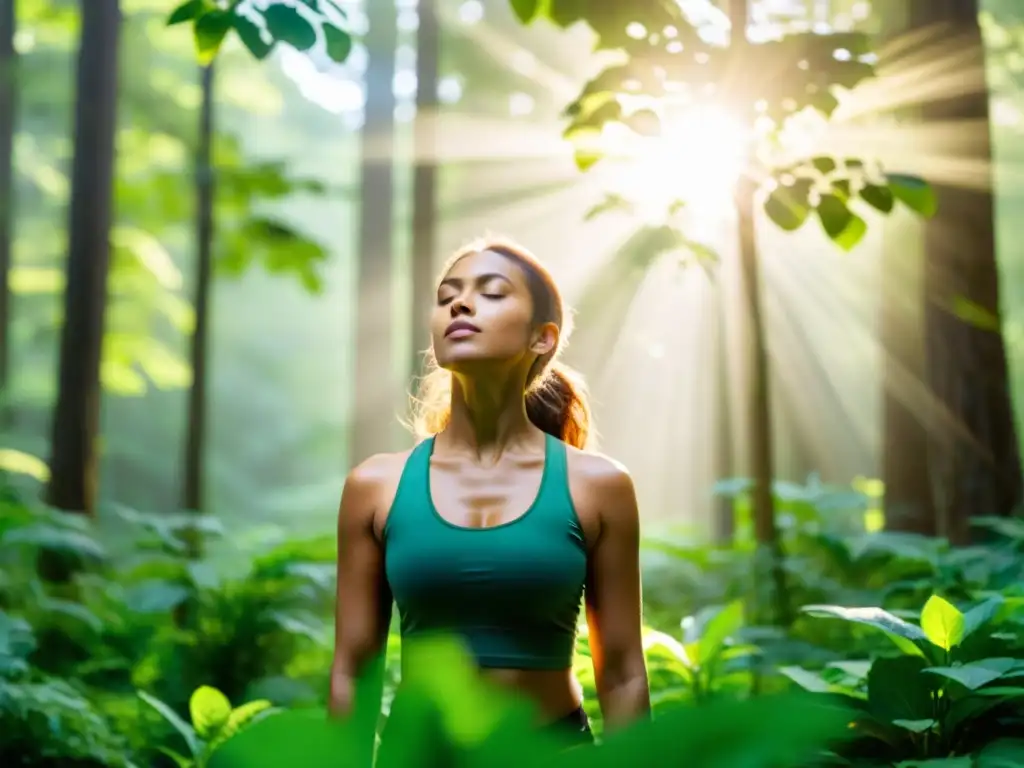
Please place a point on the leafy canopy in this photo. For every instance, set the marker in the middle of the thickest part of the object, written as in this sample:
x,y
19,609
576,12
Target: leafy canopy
x,y
673,65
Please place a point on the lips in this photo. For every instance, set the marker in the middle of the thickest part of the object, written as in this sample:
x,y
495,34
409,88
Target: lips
x,y
460,329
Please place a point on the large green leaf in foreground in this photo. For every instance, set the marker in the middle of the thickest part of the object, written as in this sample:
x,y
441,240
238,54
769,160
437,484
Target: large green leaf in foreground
x,y
446,716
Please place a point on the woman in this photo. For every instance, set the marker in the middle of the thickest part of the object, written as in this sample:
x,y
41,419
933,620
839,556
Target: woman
x,y
497,525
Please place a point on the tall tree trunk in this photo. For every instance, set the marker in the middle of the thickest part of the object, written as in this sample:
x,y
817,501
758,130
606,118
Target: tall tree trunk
x,y
424,201
8,91
909,500
192,491
74,461
724,522
975,456
758,407
373,406
909,497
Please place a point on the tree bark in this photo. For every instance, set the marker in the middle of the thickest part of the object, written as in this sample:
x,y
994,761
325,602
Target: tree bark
x,y
192,491
975,455
909,501
74,461
8,107
373,403
758,408
424,202
724,522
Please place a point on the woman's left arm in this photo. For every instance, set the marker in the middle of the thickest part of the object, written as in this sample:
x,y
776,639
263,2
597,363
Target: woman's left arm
x,y
613,599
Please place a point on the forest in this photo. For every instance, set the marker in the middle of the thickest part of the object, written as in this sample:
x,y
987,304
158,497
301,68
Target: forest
x,y
790,231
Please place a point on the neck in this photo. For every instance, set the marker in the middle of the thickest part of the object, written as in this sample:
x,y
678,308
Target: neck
x,y
488,416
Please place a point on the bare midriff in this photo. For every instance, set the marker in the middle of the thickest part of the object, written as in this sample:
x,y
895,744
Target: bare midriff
x,y
554,693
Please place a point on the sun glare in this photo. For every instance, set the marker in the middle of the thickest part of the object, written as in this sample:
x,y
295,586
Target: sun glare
x,y
696,159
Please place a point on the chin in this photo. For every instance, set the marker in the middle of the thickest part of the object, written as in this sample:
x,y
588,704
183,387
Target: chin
x,y
469,360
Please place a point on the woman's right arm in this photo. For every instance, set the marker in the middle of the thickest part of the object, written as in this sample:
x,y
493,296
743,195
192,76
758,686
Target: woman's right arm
x,y
363,606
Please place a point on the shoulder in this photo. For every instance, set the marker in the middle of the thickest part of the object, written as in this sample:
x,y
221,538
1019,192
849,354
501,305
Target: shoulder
x,y
600,473
602,488
379,468
371,485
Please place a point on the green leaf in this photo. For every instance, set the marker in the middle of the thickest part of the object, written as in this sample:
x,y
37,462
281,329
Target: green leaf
x,y
210,710
186,730
587,158
1004,753
302,737
287,25
18,462
975,674
239,718
981,614
808,680
179,760
915,193
252,37
724,624
898,691
942,623
209,32
878,197
338,42
975,315
915,726
788,206
187,11
843,226
610,202
904,634
824,165
527,10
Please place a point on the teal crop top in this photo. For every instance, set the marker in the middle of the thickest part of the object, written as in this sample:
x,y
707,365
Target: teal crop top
x,y
511,592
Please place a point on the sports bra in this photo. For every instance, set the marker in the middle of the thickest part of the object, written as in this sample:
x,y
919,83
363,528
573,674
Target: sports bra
x,y
511,592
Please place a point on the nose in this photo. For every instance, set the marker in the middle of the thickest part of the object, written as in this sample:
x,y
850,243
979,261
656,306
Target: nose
x,y
460,307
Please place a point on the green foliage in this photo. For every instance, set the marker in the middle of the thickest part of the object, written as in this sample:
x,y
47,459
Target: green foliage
x,y
138,615
214,722
953,691
149,309
299,25
670,68
140,657
446,710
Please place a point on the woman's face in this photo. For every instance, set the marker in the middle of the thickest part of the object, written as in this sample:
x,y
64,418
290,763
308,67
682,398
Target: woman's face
x,y
484,313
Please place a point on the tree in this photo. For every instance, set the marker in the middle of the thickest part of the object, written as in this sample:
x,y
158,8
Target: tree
x,y
424,201
8,80
763,85
374,382
975,455
76,417
192,491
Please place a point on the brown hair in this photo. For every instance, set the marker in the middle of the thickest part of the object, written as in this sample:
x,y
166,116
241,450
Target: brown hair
x,y
556,396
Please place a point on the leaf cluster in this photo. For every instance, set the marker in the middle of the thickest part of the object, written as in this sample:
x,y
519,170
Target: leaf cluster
x,y
299,25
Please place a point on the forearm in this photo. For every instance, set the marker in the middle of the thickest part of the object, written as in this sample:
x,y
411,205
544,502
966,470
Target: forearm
x,y
357,688
356,700
624,700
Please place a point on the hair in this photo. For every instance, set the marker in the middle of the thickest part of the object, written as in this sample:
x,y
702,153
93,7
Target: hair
x,y
556,395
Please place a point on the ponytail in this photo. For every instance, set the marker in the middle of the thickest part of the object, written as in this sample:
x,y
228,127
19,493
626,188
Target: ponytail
x,y
557,404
